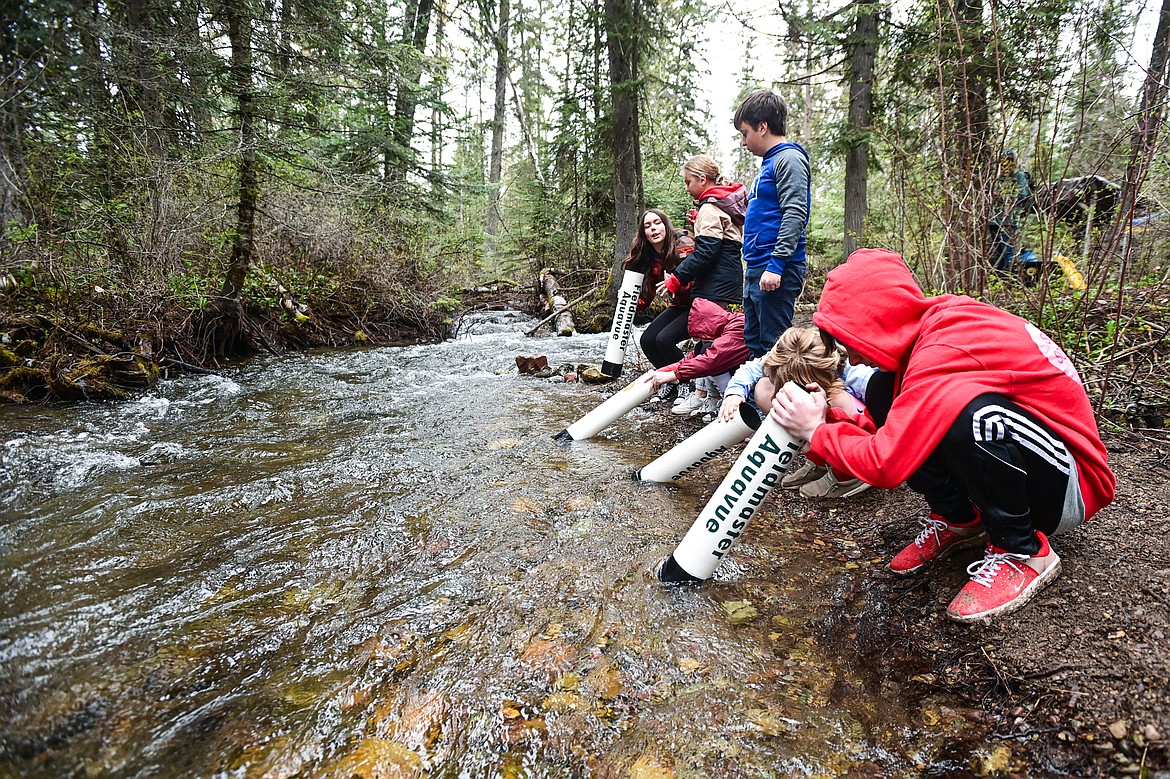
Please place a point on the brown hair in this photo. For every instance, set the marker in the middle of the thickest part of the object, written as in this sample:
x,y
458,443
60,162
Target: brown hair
x,y
801,355
763,107
642,251
704,165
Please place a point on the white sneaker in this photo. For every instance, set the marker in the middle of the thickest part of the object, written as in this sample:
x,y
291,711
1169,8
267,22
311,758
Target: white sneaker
x,y
829,487
685,390
691,405
710,409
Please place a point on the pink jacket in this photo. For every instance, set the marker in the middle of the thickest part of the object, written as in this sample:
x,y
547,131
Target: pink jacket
x,y
708,321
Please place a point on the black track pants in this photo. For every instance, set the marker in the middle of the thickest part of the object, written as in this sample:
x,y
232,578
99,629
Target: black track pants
x,y
998,457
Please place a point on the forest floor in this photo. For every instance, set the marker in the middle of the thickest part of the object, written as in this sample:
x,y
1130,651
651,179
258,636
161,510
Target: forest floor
x,y
1078,681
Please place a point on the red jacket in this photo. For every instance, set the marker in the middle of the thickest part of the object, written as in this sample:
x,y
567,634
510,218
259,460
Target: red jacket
x,y
946,350
709,322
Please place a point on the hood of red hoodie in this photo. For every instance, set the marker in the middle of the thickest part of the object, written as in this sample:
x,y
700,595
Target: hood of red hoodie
x,y
707,320
720,191
873,305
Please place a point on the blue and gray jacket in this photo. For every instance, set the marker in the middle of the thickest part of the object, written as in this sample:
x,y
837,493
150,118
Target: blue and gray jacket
x,y
743,381
778,208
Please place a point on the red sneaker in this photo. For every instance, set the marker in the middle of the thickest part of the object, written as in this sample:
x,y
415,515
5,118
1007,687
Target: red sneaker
x,y
937,540
1003,582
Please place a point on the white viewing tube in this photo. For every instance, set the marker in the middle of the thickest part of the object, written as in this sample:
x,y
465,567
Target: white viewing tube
x,y
618,405
705,445
623,323
726,515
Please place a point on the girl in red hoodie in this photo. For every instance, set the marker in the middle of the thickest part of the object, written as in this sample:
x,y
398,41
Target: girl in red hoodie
x,y
977,410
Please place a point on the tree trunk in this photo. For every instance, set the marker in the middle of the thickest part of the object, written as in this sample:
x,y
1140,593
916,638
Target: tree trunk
x,y
1143,144
496,162
138,77
223,321
240,38
966,171
623,39
441,77
188,21
416,27
862,48
1143,148
11,154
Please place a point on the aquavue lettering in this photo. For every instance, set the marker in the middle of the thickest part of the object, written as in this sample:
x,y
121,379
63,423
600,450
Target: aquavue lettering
x,y
627,304
707,457
742,491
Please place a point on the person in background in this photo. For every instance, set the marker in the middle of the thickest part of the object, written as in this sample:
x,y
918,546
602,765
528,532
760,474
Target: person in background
x,y
657,248
996,433
801,355
713,271
726,351
774,225
1010,196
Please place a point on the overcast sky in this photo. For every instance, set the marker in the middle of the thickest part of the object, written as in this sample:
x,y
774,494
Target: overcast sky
x,y
743,20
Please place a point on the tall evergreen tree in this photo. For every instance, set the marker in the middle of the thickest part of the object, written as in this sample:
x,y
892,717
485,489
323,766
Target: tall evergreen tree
x,y
625,26
861,53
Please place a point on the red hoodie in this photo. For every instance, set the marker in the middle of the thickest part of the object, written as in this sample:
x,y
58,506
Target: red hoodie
x,y
946,350
708,321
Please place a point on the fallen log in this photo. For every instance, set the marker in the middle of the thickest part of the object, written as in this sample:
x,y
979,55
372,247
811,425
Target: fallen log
x,y
555,301
556,313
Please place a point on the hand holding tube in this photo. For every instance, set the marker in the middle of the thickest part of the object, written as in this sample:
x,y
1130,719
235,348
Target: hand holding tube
x,y
662,377
800,413
730,407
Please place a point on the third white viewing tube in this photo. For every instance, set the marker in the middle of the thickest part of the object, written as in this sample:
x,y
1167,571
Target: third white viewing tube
x,y
619,404
623,323
727,514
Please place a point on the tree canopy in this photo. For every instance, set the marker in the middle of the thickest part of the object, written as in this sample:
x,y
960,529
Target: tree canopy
x,y
194,151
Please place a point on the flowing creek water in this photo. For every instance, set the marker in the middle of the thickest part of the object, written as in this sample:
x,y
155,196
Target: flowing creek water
x,y
379,563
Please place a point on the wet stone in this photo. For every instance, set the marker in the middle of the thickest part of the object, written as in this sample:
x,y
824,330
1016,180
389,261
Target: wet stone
x,y
531,364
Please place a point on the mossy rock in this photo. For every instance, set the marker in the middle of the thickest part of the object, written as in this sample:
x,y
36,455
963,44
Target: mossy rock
x,y
26,348
23,384
597,323
101,334
82,380
137,372
100,377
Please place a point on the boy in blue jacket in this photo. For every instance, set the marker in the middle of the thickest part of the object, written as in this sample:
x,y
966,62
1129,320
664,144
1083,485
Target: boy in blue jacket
x,y
777,213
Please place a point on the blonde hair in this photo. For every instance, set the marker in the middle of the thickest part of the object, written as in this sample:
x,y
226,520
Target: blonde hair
x,y
802,356
706,166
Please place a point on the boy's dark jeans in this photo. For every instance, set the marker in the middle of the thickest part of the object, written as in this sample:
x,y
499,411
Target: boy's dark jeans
x,y
1017,491
768,314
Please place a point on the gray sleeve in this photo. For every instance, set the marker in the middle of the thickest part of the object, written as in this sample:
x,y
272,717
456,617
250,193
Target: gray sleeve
x,y
792,193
